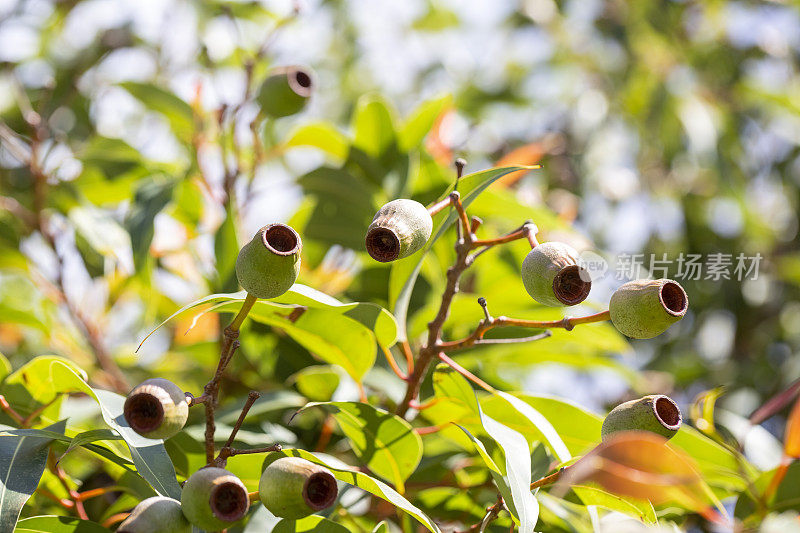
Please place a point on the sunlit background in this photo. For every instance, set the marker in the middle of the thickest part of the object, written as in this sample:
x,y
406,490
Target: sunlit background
x,y
663,127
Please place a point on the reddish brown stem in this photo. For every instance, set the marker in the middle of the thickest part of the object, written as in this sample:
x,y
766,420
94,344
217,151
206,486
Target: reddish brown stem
x,y
5,406
485,325
115,519
548,480
94,493
466,373
393,364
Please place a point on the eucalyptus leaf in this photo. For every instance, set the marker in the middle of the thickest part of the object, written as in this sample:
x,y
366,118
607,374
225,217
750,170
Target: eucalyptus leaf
x,y
58,524
385,442
22,463
368,484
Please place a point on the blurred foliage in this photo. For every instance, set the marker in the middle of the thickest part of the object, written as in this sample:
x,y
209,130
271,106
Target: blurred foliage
x,y
134,162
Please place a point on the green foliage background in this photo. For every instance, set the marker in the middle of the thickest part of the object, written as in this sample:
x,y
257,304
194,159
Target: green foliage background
x,y
661,128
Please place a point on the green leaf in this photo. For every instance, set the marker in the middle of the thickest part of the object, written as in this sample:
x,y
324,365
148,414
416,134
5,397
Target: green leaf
x,y
314,523
385,442
592,495
323,136
101,231
45,377
498,474
404,272
5,367
87,437
150,198
373,126
22,462
381,527
542,424
58,524
577,428
337,333
226,250
317,383
369,484
517,471
417,126
177,112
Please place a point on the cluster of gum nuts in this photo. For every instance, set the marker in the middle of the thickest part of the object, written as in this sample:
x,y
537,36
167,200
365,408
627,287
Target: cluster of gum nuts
x,y
213,498
291,487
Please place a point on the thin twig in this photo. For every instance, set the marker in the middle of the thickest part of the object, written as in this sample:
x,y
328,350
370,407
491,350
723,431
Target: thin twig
x,y
5,406
466,373
567,323
393,364
491,515
251,399
548,480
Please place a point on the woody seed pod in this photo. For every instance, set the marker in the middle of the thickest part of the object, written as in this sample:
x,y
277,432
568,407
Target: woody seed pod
x,y
552,275
655,413
399,229
156,409
213,498
643,309
268,265
285,92
291,487
158,513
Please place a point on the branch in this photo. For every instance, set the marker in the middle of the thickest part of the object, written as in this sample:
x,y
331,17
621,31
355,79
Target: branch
x,y
491,515
489,323
211,390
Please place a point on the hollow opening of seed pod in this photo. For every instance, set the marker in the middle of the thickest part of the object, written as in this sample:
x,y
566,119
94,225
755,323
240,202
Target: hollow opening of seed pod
x,y
572,285
229,501
144,412
383,245
300,81
320,490
280,239
668,412
674,298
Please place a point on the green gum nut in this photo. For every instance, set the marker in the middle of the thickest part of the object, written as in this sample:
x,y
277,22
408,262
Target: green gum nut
x,y
399,229
643,309
285,91
552,275
156,409
268,265
158,513
655,413
291,487
213,499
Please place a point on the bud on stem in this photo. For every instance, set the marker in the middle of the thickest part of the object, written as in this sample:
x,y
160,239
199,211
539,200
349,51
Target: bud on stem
x,y
268,265
655,413
399,229
156,409
213,498
158,513
291,487
553,276
285,92
643,309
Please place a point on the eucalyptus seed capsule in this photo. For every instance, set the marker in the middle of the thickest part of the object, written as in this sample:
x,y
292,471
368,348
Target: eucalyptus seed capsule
x,y
398,229
553,276
156,409
213,499
646,308
269,264
655,413
291,487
